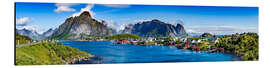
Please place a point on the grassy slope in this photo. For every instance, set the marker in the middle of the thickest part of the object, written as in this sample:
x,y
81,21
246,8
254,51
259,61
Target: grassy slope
x,y
22,39
47,53
124,36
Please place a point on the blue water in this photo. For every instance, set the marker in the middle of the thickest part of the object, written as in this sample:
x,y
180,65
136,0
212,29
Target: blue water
x,y
107,52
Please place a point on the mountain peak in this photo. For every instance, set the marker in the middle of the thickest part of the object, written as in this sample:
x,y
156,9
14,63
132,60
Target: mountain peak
x,y
179,25
24,29
85,13
157,21
79,27
50,29
154,21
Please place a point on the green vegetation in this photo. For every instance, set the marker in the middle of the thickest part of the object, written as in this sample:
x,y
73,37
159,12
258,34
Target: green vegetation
x,y
91,37
206,35
124,36
193,38
244,45
21,39
47,53
169,38
150,43
205,46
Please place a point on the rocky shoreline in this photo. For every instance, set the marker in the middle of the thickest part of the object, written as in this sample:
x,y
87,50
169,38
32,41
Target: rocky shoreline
x,y
73,61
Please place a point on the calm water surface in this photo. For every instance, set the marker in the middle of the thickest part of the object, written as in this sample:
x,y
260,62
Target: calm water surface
x,y
108,52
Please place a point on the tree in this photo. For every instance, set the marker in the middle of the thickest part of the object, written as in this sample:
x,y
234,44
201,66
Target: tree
x,y
245,45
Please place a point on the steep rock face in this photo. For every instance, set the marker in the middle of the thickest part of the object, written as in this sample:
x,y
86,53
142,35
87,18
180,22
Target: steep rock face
x,y
155,28
80,26
180,30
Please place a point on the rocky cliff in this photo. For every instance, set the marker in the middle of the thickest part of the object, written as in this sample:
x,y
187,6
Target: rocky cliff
x,y
155,28
80,26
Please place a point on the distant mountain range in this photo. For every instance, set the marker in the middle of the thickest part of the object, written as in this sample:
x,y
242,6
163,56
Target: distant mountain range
x,y
155,28
29,33
33,34
85,26
80,26
48,32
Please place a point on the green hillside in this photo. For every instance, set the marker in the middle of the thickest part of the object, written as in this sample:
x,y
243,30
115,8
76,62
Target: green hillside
x,y
245,45
47,54
124,36
21,39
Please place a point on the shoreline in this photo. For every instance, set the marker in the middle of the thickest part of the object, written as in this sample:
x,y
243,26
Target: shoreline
x,y
73,61
178,47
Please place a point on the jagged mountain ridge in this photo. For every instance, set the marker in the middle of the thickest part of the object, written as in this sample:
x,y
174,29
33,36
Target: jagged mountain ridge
x,y
30,33
84,25
80,26
48,32
155,28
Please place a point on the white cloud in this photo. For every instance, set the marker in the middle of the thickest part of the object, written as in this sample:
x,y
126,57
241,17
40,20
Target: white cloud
x,y
87,8
221,29
116,5
64,7
113,25
192,31
110,23
22,21
122,27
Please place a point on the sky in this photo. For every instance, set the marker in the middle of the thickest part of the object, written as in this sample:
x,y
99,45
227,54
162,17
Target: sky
x,y
195,19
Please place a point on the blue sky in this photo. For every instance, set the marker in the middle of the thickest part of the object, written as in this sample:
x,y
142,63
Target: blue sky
x,y
196,19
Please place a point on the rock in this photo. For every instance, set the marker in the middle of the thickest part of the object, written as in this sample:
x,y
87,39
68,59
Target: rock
x,y
155,28
80,27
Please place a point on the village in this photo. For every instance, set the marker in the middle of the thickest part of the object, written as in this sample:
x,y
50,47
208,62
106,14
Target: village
x,y
179,42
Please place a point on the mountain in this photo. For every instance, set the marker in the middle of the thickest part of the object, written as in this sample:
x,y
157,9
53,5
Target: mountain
x,y
180,30
48,32
80,26
155,28
30,33
113,31
127,29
